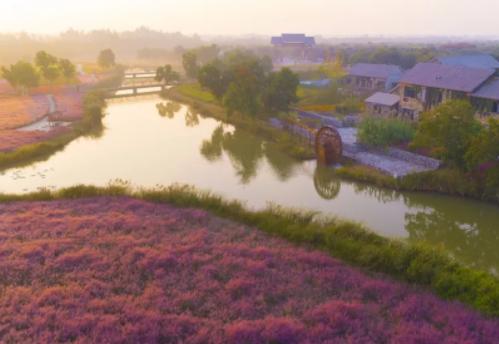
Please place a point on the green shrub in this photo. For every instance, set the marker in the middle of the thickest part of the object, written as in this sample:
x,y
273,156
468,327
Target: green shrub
x,y
383,132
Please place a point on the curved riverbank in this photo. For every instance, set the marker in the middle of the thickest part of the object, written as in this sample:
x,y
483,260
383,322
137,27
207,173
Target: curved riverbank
x,y
89,124
202,102
442,181
350,242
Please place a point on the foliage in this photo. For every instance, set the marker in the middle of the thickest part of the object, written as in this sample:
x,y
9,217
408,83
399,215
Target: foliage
x,y
334,70
448,130
482,157
189,61
246,83
43,60
68,69
351,242
350,105
484,147
280,91
405,57
213,78
106,58
166,74
193,59
384,132
21,75
48,65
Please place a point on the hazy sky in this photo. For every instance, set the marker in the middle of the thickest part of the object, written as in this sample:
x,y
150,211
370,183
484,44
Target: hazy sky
x,y
326,17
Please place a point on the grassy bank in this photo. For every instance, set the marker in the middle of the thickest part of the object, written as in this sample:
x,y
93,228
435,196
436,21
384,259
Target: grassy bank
x,y
450,182
203,102
347,241
90,124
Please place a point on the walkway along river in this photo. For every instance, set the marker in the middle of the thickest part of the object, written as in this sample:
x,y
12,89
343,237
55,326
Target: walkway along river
x,y
151,142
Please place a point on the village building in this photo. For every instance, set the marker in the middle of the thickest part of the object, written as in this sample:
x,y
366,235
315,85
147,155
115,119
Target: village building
x,y
483,61
427,85
383,104
363,78
296,48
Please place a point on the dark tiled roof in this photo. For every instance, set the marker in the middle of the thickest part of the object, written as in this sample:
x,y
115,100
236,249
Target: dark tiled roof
x,y
293,38
381,98
489,91
375,70
456,78
470,60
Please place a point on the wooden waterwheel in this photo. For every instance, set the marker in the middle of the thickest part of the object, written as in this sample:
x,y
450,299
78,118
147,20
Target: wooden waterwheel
x,y
328,146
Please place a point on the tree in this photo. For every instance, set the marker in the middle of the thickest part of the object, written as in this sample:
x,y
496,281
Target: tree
x,y
448,130
212,77
190,63
48,65
166,74
21,75
43,60
484,148
280,91
106,58
51,73
67,68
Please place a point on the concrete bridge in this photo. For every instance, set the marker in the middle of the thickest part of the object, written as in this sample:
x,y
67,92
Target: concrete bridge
x,y
135,90
140,75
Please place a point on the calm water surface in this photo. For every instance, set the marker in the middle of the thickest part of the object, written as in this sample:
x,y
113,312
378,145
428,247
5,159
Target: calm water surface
x,y
149,141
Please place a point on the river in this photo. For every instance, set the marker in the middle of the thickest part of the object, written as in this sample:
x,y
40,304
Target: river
x,y
150,145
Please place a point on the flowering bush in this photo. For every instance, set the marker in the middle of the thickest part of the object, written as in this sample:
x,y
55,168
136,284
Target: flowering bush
x,y
123,270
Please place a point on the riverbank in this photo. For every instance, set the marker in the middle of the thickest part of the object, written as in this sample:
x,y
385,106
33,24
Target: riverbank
x,y
350,242
88,122
442,181
451,182
204,103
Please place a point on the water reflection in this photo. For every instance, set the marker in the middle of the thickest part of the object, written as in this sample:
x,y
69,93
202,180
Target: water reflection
x,y
326,183
244,150
213,156
168,109
470,234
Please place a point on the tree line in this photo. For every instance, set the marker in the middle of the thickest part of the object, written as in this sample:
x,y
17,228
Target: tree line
x,y
247,84
24,75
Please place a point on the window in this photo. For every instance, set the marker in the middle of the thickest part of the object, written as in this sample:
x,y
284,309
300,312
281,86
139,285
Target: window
x,y
410,92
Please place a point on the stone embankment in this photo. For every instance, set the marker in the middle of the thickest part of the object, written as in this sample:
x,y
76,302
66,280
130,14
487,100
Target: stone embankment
x,y
393,161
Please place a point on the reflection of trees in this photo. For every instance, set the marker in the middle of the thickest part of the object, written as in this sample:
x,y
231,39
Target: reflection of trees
x,y
212,149
281,164
326,182
245,152
466,229
168,109
191,118
382,195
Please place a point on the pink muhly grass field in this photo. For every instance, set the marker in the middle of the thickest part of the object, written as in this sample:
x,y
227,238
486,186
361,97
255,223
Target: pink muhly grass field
x,y
13,139
114,270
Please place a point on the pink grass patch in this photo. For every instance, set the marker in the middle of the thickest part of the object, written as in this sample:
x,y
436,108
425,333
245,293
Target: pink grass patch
x,y
120,270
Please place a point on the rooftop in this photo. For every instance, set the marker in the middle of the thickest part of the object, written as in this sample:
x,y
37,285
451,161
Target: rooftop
x,y
470,60
489,91
293,38
456,78
374,70
381,98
